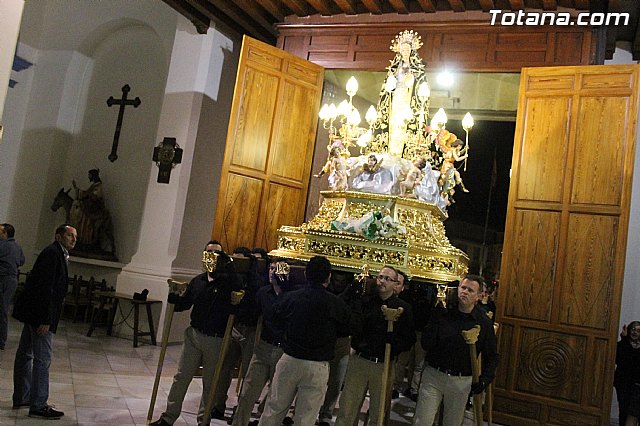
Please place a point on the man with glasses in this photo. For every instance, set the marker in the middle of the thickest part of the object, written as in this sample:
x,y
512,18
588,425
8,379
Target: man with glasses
x,y
447,370
368,340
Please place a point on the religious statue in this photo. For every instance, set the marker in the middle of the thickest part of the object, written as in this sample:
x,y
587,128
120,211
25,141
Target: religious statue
x,y
399,104
337,168
412,178
91,218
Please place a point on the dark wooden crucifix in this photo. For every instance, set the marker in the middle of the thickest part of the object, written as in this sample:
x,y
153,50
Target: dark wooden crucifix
x,y
123,103
166,155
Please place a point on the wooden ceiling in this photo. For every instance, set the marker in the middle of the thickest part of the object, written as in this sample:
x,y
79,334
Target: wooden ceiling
x,y
260,18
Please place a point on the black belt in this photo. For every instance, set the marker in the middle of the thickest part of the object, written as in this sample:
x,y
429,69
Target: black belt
x,y
449,372
370,358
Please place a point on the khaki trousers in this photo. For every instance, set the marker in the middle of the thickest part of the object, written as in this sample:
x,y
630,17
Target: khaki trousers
x,y
302,379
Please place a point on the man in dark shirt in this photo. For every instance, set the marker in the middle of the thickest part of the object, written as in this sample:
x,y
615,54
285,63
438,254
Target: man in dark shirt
x,y
11,258
447,371
210,296
368,340
39,307
269,349
313,318
244,329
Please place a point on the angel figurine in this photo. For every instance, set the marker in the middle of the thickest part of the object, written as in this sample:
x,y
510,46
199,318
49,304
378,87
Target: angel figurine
x,y
337,168
453,150
413,178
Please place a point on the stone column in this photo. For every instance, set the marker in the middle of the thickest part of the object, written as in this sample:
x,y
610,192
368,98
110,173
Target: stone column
x,y
193,71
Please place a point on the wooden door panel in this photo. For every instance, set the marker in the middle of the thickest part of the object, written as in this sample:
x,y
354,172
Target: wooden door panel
x,y
532,266
589,273
241,203
560,417
565,244
296,119
262,56
271,136
550,364
506,339
544,149
609,81
603,166
257,107
278,212
598,375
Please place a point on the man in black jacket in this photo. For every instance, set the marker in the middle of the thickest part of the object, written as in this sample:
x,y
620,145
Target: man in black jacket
x,y
368,340
39,307
447,370
313,318
210,296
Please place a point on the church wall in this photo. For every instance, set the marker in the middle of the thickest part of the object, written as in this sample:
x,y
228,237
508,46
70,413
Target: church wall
x,y
10,13
631,289
207,161
177,216
61,124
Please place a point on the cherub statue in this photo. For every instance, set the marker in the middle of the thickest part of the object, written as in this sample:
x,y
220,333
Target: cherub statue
x,y
336,166
452,151
413,178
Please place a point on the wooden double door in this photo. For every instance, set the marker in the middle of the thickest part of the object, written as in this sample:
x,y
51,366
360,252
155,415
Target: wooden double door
x,y
565,242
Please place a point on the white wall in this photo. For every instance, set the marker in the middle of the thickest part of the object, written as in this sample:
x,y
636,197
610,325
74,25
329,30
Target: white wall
x,y
60,125
631,288
10,13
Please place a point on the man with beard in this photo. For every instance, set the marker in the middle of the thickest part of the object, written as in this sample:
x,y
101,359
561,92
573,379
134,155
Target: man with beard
x,y
210,295
368,340
447,373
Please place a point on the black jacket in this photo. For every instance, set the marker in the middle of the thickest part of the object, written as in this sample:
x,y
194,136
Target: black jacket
x,y
369,327
313,318
211,302
446,348
40,303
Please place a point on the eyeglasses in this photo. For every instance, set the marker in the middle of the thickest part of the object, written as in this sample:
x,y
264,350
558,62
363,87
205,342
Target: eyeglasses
x,y
386,278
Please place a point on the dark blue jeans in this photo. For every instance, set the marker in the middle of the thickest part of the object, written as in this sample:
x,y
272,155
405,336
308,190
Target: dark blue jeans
x,y
8,286
31,368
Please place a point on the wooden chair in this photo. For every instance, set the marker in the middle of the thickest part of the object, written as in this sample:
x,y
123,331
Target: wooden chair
x,y
102,309
79,297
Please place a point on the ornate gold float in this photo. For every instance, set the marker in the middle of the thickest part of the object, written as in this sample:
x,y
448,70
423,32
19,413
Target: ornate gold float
x,y
424,251
387,205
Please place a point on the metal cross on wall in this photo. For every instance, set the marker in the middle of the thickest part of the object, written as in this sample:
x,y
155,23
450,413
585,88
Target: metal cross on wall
x,y
166,155
123,103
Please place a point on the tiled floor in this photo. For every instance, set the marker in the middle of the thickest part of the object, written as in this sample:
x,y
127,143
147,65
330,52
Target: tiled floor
x,y
103,380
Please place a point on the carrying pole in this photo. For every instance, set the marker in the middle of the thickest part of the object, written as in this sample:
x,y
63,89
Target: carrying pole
x,y
236,297
471,337
391,315
174,287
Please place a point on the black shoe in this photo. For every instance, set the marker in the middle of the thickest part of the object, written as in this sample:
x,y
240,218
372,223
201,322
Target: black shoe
x,y
21,405
414,396
395,394
287,421
160,422
407,392
48,413
217,414
324,424
254,422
